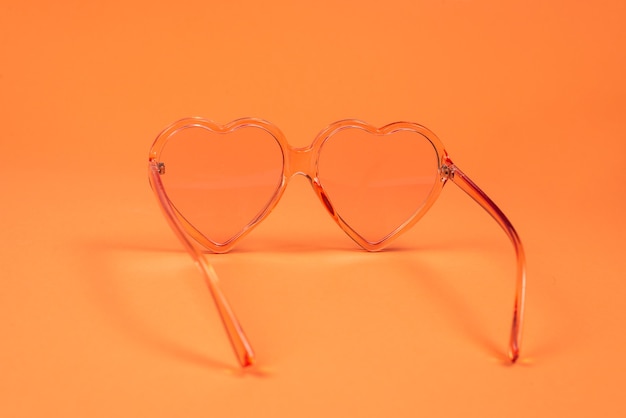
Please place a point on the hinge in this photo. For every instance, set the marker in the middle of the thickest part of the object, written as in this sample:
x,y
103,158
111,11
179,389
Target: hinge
x,y
447,172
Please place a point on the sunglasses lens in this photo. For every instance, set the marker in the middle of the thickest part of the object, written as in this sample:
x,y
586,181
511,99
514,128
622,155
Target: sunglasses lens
x,y
222,183
377,183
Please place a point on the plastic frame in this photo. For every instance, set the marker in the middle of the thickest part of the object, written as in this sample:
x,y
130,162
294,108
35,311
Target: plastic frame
x,y
304,161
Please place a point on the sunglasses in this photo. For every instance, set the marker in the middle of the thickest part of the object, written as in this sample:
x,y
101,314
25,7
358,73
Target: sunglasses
x,y
215,183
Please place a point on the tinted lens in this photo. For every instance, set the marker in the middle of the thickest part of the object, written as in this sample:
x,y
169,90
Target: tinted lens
x,y
376,183
221,183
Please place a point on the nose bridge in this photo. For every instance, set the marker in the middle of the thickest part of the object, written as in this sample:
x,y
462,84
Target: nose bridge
x,y
300,162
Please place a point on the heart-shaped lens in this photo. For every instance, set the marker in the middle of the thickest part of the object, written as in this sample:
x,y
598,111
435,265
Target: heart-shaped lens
x,y
221,182
377,182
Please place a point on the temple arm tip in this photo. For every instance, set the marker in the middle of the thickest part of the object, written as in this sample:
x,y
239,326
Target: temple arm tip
x,y
247,360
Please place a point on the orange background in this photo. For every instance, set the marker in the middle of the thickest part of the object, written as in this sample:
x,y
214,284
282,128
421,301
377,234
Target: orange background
x,y
102,314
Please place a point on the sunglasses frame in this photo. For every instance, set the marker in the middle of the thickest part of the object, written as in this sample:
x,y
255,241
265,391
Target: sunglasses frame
x,y
304,161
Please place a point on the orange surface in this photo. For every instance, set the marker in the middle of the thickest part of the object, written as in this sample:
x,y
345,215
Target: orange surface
x,y
102,314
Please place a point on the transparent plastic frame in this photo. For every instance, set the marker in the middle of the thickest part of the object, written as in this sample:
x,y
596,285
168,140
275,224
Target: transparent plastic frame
x,y
305,161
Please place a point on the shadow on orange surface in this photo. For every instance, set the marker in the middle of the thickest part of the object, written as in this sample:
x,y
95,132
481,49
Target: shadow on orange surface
x,y
125,287
149,277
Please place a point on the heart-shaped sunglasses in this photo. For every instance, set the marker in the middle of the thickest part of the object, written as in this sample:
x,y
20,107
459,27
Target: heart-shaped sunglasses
x,y
215,183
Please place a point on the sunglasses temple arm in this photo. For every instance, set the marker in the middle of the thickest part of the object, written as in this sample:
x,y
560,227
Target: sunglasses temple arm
x,y
237,337
468,186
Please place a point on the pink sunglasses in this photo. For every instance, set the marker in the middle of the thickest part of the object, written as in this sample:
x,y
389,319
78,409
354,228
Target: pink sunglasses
x,y
215,183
